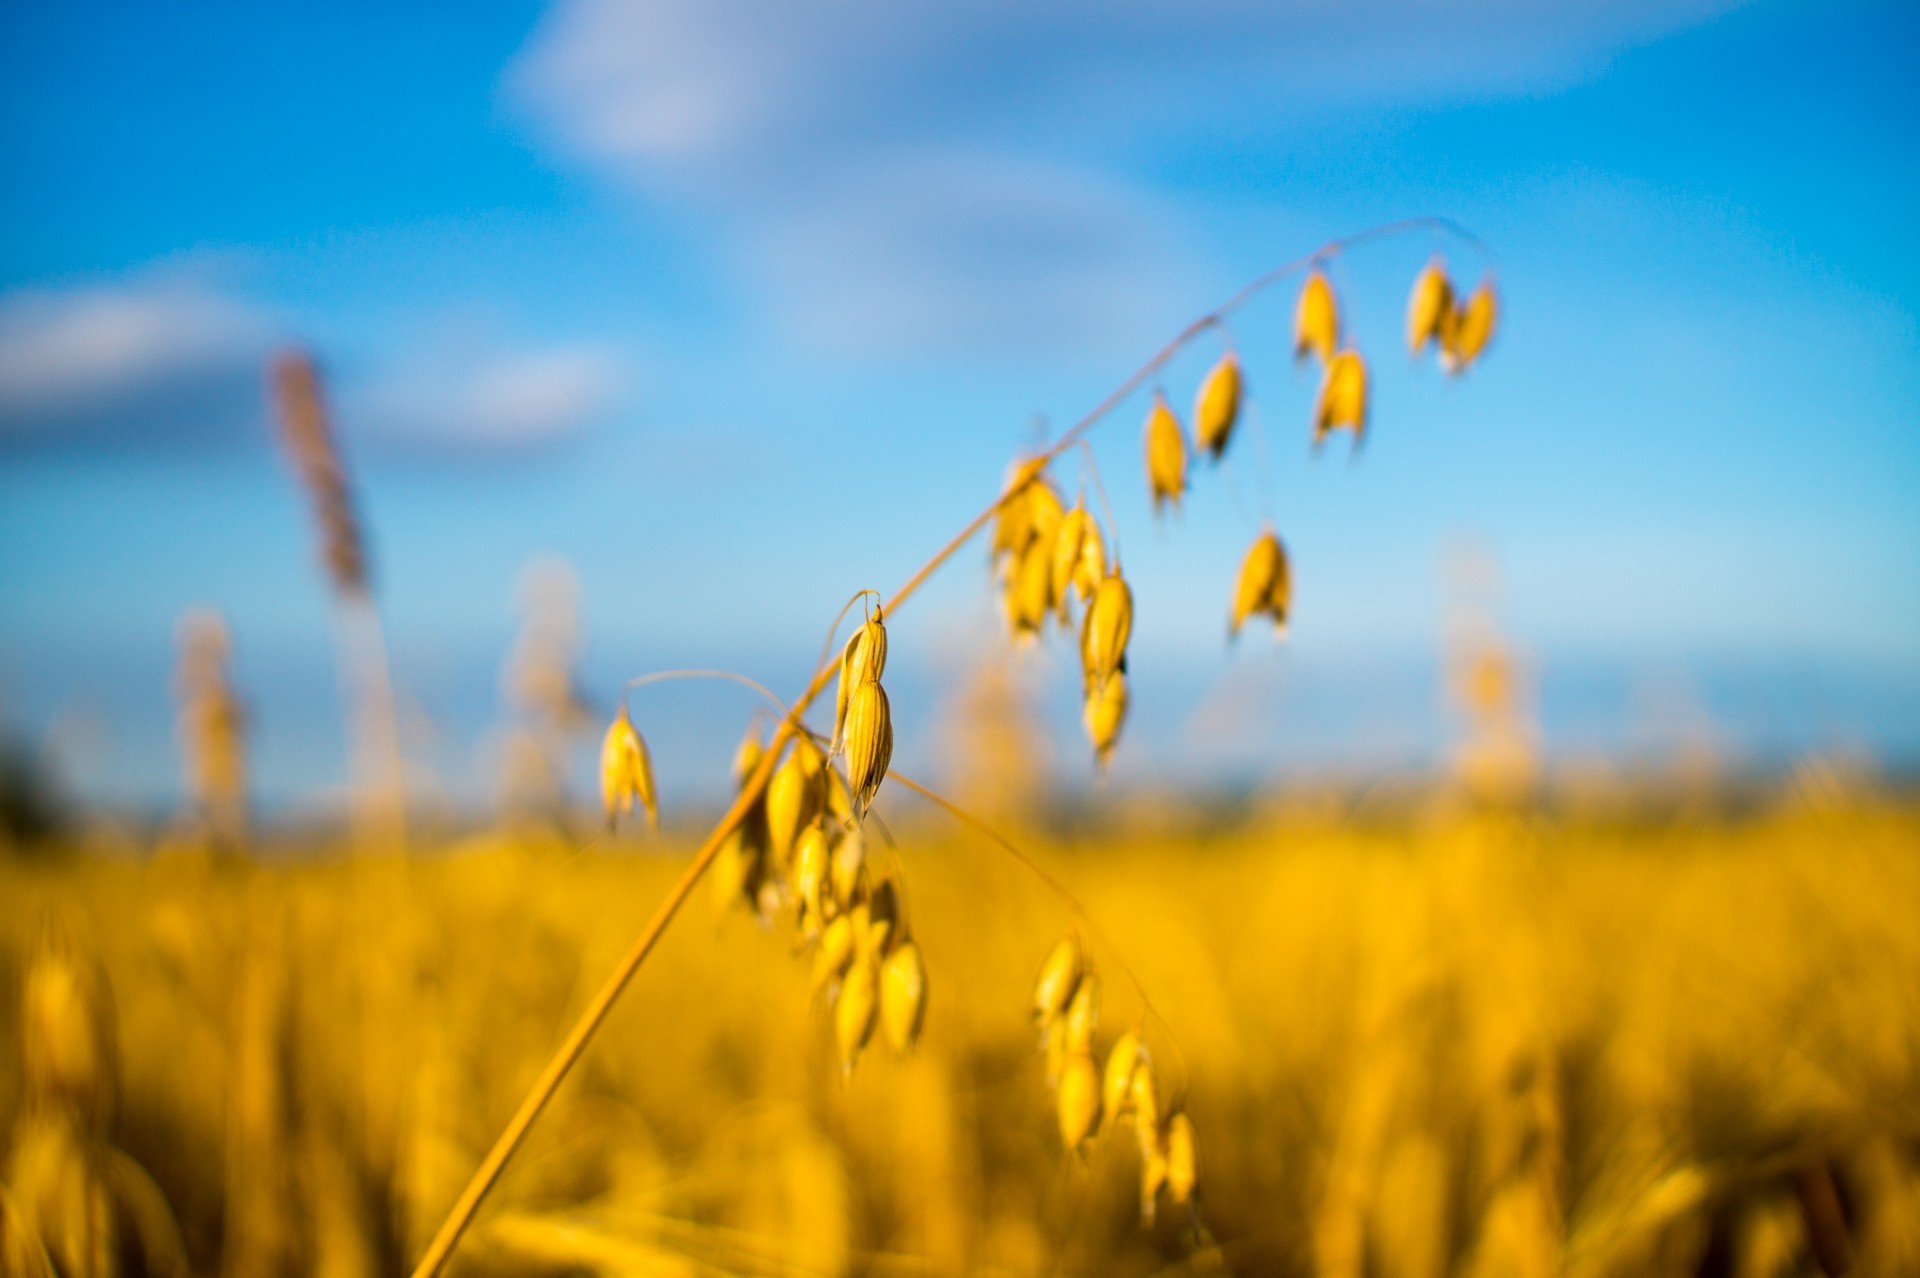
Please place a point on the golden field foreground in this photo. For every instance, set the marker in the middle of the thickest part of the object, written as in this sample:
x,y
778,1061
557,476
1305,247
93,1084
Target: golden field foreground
x,y
1416,1044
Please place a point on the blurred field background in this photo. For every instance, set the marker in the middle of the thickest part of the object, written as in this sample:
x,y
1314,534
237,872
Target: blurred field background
x,y
1422,1039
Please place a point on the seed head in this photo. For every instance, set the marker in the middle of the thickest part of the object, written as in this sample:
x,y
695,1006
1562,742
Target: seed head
x,y
1143,1098
626,772
1343,398
309,438
1079,559
1182,1173
903,996
833,953
1166,447
1053,988
793,798
1429,306
1106,711
1079,1099
1117,1082
1030,588
1218,406
1054,1044
1153,1172
869,743
1083,1013
1472,328
747,755
863,659
853,1013
810,861
1264,586
1316,318
1013,521
1105,629
848,872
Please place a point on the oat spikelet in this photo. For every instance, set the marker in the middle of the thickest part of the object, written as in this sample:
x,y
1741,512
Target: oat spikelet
x,y
1218,406
794,798
853,1013
1166,448
1053,988
1078,1099
1117,1079
626,773
903,996
1105,629
1153,1171
1079,560
810,862
1182,1172
1343,398
864,658
1030,589
869,742
1105,712
834,952
1083,1013
1316,318
1264,586
1429,306
847,869
309,439
1472,328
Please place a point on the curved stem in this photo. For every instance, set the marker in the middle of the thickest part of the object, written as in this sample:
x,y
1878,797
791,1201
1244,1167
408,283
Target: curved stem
x,y
1061,890
668,676
596,1011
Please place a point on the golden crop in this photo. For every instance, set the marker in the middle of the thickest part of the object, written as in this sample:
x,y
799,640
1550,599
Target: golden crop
x,y
1407,1046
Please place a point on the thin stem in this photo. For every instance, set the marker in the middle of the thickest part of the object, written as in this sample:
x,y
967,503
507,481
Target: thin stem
x,y
1106,507
596,1011
667,676
1061,890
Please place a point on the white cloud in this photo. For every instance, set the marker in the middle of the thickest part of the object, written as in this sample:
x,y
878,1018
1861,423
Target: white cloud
x,y
926,176
165,360
142,358
483,399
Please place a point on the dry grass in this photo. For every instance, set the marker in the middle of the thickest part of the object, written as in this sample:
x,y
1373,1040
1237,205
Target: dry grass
x,y
1475,1045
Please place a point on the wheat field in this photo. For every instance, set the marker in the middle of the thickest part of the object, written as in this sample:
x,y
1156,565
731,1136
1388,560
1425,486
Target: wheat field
x,y
1428,1042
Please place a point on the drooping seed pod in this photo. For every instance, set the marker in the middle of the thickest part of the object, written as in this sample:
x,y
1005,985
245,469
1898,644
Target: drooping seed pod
x,y
1106,711
810,861
1079,559
1116,1086
626,772
1013,519
1182,1172
1045,510
883,915
1428,306
1143,1098
1343,398
1083,1013
853,1014
903,996
848,867
869,743
1153,1172
864,659
833,953
1166,448
1053,1044
1105,629
1078,1099
1265,585
1030,588
747,755
1053,988
1217,407
1316,318
793,798
1472,328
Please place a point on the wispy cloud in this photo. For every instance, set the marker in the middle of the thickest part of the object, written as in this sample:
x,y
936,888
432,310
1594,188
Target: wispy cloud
x,y
157,362
171,361
898,176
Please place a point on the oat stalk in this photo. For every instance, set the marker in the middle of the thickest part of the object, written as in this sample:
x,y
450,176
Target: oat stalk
x,y
791,724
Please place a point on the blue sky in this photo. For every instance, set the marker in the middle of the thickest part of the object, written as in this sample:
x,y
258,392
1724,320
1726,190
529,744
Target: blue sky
x,y
737,308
